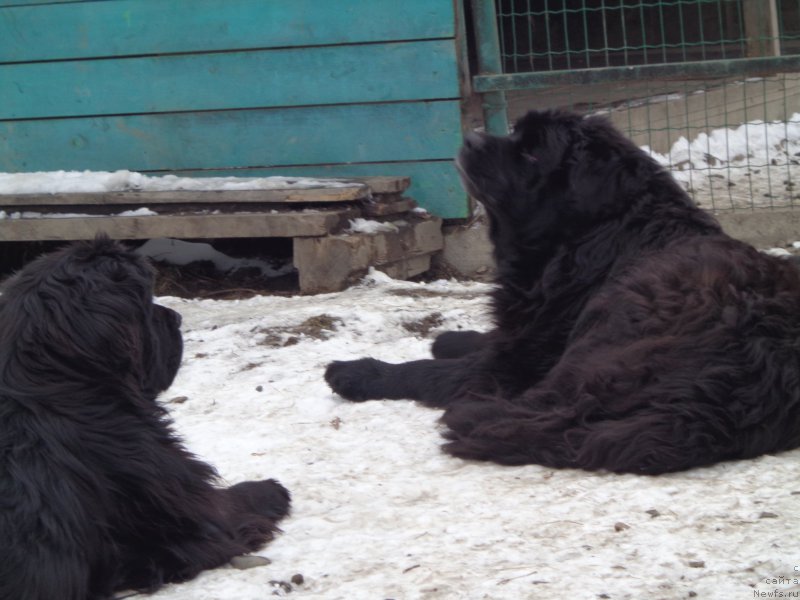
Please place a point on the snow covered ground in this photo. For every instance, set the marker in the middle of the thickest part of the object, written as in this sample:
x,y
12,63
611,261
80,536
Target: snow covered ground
x,y
380,512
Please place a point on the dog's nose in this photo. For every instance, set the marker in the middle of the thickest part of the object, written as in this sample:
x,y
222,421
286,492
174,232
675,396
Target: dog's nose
x,y
474,140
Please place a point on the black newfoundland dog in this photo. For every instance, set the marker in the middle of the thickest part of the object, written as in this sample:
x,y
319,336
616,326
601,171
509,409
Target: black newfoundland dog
x,y
632,334
97,494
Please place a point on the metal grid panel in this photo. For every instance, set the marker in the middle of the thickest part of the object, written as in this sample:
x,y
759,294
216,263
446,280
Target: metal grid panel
x,y
733,142
581,34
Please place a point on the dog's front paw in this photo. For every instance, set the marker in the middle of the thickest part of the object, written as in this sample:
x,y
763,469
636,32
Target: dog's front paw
x,y
355,379
267,498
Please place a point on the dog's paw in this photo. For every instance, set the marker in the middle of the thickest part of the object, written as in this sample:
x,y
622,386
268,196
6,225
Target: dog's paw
x,y
455,344
353,379
267,498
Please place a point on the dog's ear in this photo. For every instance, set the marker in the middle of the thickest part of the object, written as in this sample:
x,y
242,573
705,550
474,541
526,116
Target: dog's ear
x,y
606,171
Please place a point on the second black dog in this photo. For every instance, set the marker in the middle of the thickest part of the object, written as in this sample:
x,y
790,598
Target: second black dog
x,y
97,494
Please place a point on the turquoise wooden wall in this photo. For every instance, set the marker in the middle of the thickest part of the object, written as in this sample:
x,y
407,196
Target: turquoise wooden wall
x,y
322,88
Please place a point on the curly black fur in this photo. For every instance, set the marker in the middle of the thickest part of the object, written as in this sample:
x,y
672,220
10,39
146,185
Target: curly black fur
x,y
632,334
97,494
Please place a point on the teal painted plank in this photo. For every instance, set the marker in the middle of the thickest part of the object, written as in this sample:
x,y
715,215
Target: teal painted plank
x,y
293,77
435,185
246,138
136,27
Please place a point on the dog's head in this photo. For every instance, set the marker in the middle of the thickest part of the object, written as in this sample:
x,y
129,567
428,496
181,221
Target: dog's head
x,y
556,170
85,315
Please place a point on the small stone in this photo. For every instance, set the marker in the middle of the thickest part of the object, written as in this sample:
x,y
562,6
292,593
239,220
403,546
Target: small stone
x,y
620,526
249,561
259,388
697,564
297,579
178,400
767,515
653,513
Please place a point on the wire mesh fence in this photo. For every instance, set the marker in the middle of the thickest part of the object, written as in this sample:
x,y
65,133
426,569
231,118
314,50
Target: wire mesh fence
x,y
734,142
581,34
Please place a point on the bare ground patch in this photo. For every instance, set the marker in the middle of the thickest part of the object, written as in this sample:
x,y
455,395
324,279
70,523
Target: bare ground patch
x,y
319,327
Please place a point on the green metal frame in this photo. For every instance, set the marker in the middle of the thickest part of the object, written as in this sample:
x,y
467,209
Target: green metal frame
x,y
490,84
484,14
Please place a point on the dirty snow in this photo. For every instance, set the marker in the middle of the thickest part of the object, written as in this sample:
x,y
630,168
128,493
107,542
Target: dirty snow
x,y
380,512
750,166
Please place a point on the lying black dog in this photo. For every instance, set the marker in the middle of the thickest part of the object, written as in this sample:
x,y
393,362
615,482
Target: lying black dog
x,y
97,494
631,335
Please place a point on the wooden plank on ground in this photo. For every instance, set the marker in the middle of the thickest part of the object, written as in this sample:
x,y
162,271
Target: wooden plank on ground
x,y
384,208
383,184
136,27
329,263
229,80
288,195
405,268
289,224
372,133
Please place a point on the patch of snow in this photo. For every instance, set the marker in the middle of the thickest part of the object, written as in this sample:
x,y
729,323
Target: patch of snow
x,y
750,166
782,252
753,142
370,227
139,212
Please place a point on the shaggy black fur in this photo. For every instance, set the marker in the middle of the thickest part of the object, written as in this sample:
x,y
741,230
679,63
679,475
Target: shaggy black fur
x,y
631,335
97,494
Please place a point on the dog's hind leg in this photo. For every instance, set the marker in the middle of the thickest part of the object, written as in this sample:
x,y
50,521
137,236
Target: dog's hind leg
x,y
644,442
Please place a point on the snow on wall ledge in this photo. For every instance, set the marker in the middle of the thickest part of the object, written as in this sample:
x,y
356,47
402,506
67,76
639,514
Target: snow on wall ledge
x,y
64,182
